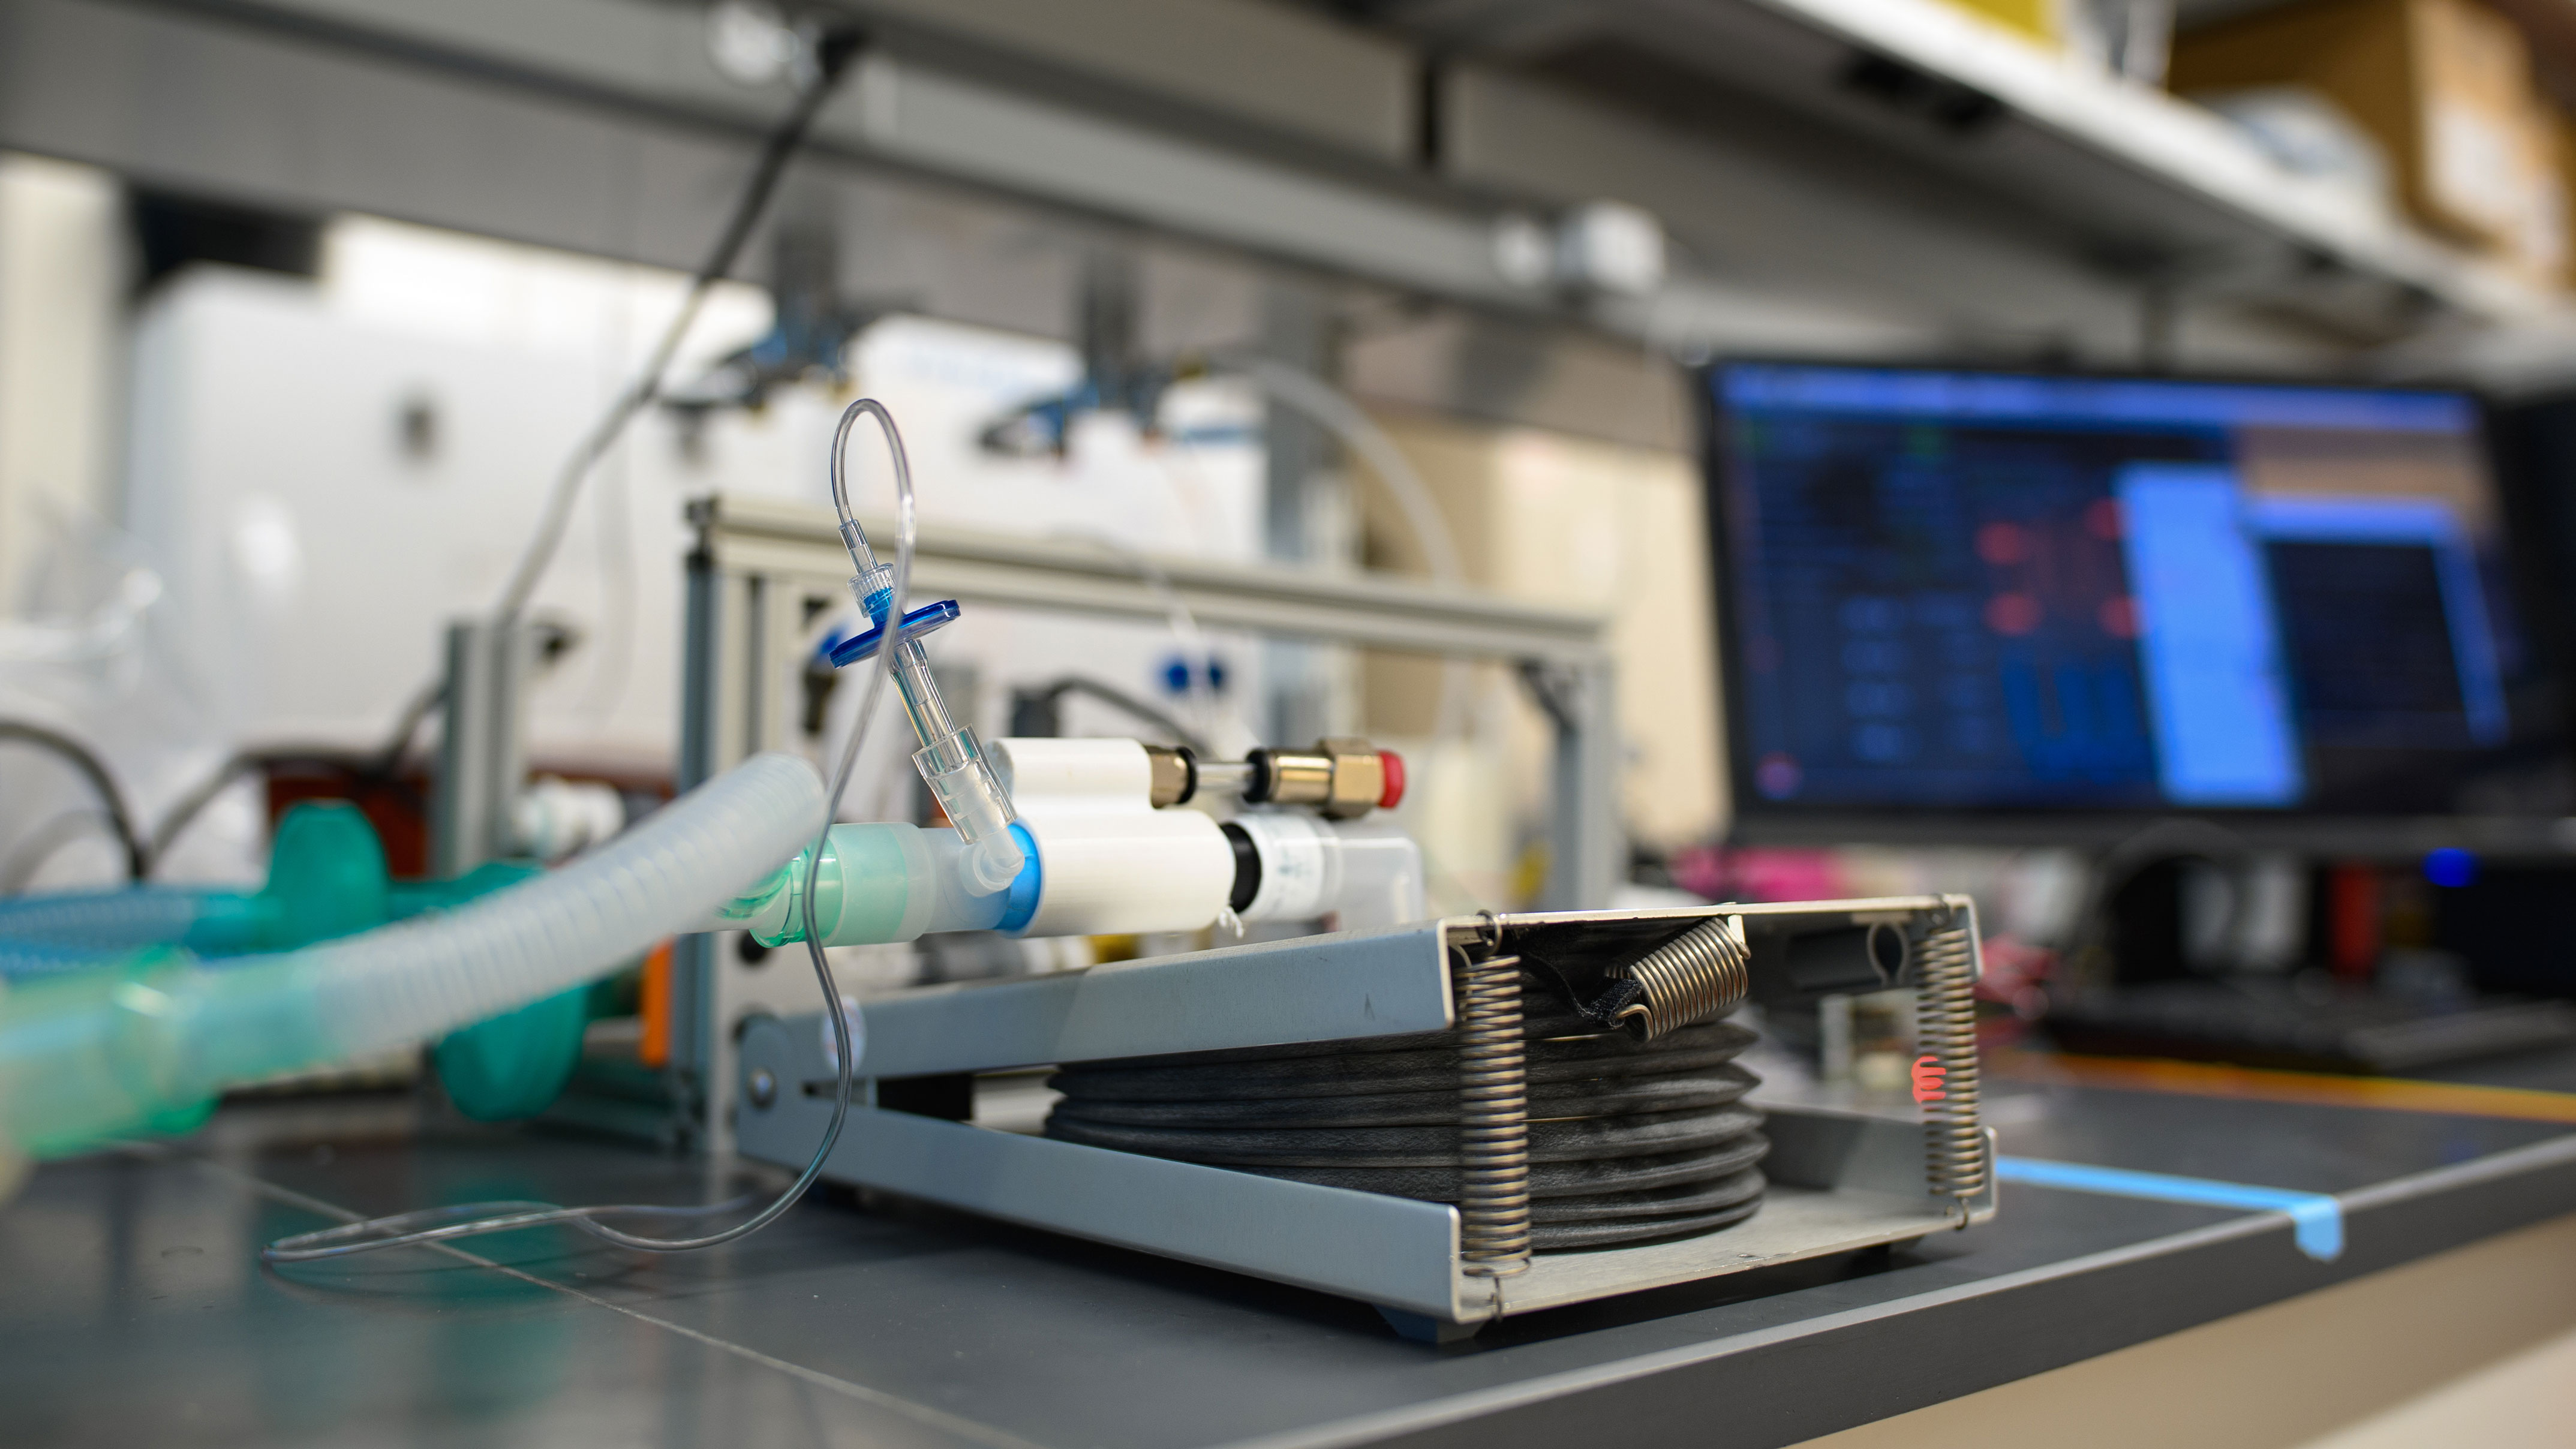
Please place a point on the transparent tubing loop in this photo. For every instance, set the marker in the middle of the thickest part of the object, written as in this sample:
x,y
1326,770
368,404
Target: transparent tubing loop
x,y
1303,392
493,1217
950,759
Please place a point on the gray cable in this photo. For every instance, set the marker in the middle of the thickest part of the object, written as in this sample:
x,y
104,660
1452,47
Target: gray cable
x,y
1128,704
833,55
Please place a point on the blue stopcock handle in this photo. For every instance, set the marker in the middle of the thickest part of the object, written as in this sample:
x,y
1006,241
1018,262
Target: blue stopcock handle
x,y
915,624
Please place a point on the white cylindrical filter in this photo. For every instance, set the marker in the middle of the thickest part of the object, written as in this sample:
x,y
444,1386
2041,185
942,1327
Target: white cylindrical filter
x,y
1367,874
1118,871
1059,775
1300,870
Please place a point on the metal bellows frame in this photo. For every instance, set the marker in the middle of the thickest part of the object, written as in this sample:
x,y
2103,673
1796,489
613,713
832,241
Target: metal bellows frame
x,y
1840,1181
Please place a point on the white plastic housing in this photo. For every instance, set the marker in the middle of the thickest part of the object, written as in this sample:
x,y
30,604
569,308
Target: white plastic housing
x,y
1073,774
1109,862
1118,871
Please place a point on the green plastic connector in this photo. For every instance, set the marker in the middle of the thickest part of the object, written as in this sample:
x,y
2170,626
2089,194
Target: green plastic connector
x,y
145,1047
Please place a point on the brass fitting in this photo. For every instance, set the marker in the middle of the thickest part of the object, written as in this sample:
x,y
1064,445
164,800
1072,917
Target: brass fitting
x,y
1342,777
1290,777
1359,777
1175,775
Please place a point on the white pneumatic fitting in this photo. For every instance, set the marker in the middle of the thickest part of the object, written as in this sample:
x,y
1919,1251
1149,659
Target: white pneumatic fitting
x,y
556,818
1113,864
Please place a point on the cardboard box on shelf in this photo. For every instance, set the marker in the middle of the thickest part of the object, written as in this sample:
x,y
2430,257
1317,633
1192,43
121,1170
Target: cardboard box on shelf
x,y
2125,37
2042,21
2551,254
2544,246
2444,86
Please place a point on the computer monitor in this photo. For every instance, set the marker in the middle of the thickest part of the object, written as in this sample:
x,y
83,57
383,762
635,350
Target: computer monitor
x,y
2044,599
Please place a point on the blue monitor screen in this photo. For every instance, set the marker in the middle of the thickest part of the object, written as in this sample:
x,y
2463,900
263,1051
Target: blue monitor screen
x,y
1960,590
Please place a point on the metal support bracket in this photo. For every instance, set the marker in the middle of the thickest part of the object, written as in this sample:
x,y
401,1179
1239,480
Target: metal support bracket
x,y
1840,1181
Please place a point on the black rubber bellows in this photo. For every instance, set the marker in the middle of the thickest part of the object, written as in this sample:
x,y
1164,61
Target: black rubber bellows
x,y
1628,1143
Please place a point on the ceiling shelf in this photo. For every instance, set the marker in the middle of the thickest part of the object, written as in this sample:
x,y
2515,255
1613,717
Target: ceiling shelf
x,y
2150,182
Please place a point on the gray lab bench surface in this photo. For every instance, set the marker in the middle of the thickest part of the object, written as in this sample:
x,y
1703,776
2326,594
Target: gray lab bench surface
x,y
132,1312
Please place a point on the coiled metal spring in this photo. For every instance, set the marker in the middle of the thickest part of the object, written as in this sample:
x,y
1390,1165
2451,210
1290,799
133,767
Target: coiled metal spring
x,y
1697,976
1493,1117
1946,1031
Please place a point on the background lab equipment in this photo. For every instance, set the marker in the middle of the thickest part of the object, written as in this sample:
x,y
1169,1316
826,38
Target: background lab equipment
x,y
2073,600
2176,617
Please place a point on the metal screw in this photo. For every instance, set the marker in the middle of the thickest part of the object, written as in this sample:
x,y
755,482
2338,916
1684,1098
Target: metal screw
x,y
764,1086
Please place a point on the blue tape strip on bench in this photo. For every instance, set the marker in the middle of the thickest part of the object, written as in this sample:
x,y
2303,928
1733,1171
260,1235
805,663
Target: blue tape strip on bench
x,y
2316,1218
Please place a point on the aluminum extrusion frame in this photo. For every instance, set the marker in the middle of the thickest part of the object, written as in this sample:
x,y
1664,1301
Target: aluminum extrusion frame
x,y
763,569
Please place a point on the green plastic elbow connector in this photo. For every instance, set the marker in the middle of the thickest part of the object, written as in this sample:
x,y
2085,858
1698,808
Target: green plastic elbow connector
x,y
327,879
144,1047
880,884
145,1044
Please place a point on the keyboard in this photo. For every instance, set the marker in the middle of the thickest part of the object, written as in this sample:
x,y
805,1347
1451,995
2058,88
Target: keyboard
x,y
2282,1024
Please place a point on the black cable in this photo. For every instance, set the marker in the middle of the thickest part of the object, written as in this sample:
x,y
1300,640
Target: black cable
x,y
424,702
833,54
138,859
194,803
1122,701
2091,950
367,772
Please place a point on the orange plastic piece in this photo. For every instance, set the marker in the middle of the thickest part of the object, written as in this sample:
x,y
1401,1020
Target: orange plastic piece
x,y
653,1046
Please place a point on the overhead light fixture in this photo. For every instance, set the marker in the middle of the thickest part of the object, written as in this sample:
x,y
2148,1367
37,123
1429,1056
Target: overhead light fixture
x,y
1606,247
752,43
1610,246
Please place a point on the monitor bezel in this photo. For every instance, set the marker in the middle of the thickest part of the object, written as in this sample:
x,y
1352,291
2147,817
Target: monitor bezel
x,y
1756,819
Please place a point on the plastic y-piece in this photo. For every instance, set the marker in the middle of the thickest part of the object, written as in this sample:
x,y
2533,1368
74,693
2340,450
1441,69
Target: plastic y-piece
x,y
951,759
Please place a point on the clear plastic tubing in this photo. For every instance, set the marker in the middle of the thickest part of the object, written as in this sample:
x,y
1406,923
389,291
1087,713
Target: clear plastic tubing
x,y
104,1053
951,762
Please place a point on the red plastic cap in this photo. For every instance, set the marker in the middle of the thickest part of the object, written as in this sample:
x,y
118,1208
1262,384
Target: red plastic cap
x,y
1393,794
